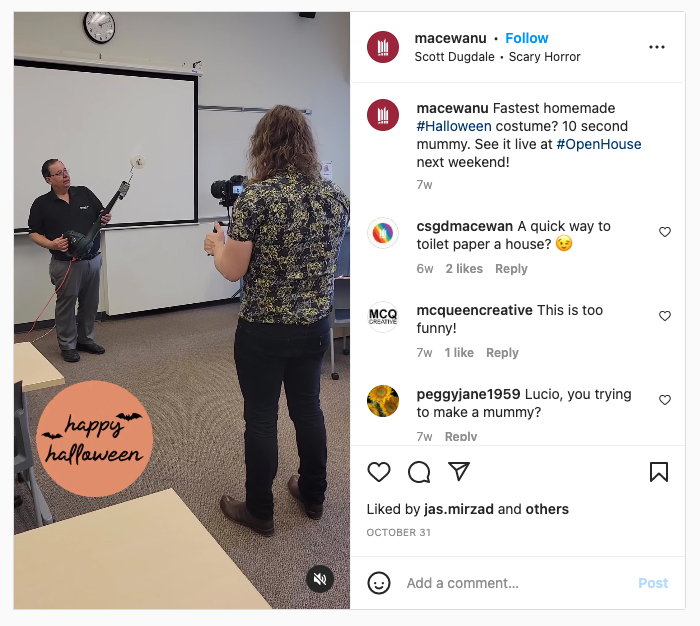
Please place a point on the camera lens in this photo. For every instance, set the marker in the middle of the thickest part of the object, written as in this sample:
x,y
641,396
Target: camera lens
x,y
218,188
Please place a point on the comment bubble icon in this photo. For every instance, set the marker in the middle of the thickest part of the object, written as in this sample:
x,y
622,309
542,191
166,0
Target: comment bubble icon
x,y
419,472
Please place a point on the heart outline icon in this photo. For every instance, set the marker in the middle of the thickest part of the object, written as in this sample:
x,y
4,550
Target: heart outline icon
x,y
664,315
665,231
377,470
664,399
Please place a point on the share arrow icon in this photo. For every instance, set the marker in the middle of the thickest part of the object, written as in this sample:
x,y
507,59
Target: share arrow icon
x,y
460,467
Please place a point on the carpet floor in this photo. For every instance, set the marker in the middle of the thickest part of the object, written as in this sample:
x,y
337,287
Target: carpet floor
x,y
180,366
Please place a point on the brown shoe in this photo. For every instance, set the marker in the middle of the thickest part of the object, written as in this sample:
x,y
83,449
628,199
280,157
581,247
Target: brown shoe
x,y
237,512
314,511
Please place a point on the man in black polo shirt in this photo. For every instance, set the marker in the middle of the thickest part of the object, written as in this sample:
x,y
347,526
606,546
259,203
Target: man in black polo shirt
x,y
62,209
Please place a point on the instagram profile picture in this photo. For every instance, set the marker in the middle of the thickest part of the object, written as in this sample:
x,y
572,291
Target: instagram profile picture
x,y
382,317
382,400
383,47
383,233
382,115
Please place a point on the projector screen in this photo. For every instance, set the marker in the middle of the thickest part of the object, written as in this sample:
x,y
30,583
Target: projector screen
x,y
94,120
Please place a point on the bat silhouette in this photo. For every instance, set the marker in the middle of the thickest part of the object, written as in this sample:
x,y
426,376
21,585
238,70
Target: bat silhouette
x,y
128,418
50,436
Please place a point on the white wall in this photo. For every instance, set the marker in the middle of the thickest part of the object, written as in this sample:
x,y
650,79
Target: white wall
x,y
249,59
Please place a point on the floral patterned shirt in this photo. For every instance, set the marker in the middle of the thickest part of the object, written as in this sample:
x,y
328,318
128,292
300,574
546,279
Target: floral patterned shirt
x,y
296,228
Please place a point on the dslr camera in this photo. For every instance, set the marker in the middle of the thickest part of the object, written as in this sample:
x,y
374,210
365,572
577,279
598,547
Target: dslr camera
x,y
227,191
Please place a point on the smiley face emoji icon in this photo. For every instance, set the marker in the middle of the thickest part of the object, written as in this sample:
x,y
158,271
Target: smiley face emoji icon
x,y
564,243
378,583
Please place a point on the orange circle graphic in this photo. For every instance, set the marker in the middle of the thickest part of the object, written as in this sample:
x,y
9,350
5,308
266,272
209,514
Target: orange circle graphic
x,y
94,439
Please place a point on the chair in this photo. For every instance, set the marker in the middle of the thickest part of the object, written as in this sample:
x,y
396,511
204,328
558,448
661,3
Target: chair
x,y
24,460
343,263
18,499
340,316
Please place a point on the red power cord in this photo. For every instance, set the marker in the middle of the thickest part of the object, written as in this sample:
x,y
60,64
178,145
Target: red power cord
x,y
47,304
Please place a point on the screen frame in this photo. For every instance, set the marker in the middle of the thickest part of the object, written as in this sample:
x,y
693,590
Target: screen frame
x,y
144,74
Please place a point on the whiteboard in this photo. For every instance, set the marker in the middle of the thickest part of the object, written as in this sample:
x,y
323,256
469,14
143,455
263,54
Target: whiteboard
x,y
224,139
94,120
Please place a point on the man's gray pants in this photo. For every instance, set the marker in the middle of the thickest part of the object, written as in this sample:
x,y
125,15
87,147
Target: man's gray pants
x,y
83,286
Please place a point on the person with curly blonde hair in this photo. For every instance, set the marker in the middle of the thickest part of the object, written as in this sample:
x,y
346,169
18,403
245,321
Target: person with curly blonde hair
x,y
284,238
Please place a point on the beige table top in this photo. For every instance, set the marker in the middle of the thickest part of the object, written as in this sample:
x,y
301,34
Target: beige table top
x,y
34,369
148,553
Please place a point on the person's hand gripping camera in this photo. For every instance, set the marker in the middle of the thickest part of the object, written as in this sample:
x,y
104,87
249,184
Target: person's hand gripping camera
x,y
215,239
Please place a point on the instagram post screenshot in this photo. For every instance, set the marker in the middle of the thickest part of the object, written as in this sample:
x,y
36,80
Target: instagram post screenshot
x,y
508,434
181,377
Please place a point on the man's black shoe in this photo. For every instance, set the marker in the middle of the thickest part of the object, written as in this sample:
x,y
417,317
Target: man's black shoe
x,y
314,511
71,356
91,347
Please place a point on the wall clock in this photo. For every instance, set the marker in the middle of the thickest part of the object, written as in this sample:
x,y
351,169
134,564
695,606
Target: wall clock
x,y
99,26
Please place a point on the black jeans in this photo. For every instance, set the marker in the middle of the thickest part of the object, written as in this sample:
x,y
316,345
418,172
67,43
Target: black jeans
x,y
266,356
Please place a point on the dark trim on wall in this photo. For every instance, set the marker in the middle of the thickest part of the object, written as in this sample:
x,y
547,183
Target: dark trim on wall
x,y
131,225
57,65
